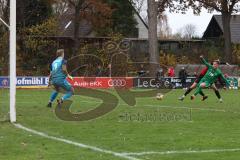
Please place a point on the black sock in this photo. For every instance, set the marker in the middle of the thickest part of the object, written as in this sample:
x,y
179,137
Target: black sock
x,y
218,94
187,91
202,94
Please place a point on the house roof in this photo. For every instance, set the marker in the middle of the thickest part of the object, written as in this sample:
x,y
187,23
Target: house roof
x,y
137,13
234,25
85,29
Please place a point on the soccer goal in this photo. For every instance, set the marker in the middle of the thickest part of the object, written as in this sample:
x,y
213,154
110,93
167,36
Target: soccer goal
x,y
8,77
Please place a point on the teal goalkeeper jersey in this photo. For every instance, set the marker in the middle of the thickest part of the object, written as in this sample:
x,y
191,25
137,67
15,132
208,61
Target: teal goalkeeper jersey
x,y
57,73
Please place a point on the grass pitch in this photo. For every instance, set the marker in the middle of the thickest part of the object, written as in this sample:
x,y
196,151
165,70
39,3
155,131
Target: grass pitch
x,y
151,130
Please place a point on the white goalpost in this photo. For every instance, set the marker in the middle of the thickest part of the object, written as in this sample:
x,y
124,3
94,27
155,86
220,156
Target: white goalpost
x,y
12,58
12,53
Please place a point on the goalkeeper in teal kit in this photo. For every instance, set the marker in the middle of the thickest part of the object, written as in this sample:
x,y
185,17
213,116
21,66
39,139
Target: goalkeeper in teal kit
x,y
58,79
210,77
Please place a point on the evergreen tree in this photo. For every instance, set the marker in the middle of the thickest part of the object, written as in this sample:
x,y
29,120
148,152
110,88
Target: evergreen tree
x,y
123,20
32,12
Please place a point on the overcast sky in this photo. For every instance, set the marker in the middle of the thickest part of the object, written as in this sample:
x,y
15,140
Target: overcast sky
x,y
177,21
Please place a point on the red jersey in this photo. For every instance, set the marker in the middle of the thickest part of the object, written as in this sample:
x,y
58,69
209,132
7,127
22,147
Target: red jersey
x,y
171,72
203,72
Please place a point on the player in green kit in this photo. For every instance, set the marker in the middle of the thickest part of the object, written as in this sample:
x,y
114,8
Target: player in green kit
x,y
210,77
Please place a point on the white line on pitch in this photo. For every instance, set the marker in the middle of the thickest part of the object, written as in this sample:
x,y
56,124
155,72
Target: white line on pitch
x,y
192,108
203,109
182,152
81,145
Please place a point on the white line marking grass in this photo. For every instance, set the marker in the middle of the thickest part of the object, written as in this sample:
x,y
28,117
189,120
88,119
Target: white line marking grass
x,y
129,155
125,155
182,152
190,108
193,108
80,145
160,106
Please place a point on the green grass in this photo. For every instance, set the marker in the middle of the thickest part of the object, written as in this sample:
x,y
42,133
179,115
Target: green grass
x,y
196,126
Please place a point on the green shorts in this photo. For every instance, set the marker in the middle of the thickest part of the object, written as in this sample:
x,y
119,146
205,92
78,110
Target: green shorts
x,y
208,84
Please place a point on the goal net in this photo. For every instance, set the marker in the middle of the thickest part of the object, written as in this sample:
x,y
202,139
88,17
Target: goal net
x,y
4,75
8,65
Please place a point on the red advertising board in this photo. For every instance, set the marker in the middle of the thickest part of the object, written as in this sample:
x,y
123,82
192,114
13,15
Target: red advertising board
x,y
102,82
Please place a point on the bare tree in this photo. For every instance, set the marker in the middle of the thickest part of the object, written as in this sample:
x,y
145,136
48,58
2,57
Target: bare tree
x,y
152,35
178,34
4,9
138,5
164,30
60,6
78,6
4,14
95,12
155,9
189,31
2,6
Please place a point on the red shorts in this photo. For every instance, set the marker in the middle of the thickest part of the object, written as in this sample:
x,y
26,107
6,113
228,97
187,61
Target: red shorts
x,y
198,79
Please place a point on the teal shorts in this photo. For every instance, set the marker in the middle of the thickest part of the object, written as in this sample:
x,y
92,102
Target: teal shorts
x,y
64,84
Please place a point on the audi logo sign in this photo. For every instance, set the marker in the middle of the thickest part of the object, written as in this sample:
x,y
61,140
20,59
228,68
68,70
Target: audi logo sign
x,y
117,82
102,82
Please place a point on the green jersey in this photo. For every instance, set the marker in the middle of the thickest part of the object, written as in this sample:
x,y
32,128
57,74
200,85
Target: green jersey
x,y
212,74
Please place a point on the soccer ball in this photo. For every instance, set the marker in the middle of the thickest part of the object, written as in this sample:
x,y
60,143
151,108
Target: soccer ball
x,y
159,96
